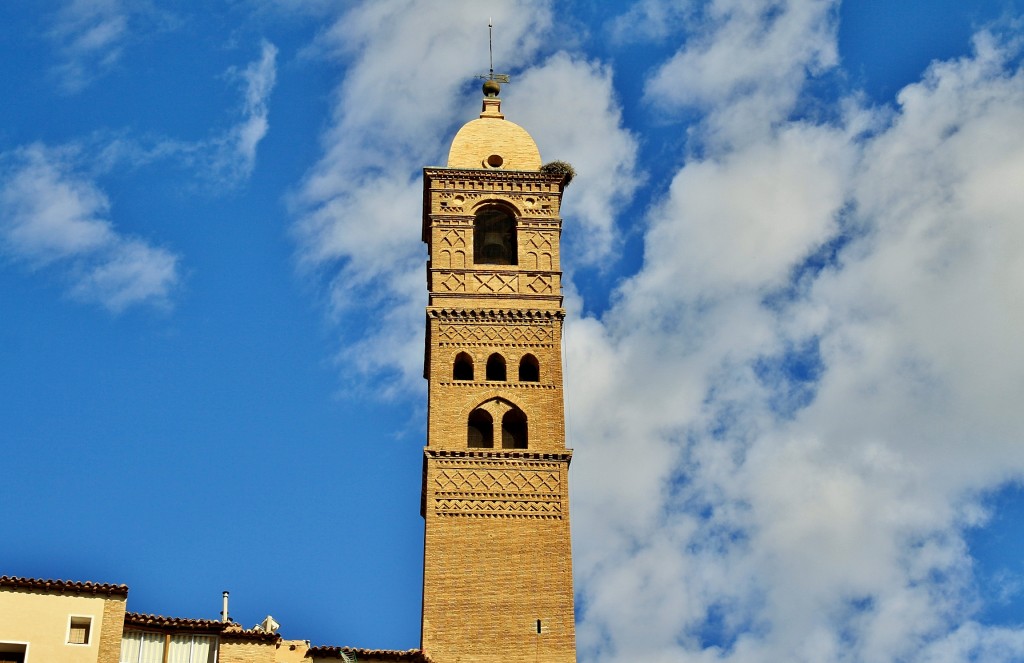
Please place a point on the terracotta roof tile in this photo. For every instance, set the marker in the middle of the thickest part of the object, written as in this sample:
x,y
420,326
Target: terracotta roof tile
x,y
412,655
235,632
63,586
159,621
227,631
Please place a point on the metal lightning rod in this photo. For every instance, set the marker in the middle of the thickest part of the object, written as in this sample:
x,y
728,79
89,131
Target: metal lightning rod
x,y
491,76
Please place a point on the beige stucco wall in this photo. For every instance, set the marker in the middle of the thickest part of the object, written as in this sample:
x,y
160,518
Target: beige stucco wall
x,y
42,620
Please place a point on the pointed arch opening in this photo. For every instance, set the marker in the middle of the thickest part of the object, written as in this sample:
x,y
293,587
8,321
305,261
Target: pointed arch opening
x,y
462,369
529,369
480,430
496,368
514,430
494,237
497,423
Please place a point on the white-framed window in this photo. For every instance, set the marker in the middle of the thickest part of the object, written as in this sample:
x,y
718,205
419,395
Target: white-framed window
x,y
192,649
13,652
79,629
142,647
148,647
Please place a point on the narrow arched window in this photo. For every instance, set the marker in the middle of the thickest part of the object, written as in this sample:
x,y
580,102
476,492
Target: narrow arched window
x,y
463,367
481,430
496,367
494,238
529,369
513,430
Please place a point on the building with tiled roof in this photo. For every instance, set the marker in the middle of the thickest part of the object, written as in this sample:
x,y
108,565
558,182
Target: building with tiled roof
x,y
62,621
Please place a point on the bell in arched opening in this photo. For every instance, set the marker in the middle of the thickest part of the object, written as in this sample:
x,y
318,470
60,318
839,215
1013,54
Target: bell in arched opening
x,y
494,238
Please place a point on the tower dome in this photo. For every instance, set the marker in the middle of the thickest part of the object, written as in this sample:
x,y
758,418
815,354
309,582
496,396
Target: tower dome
x,y
492,142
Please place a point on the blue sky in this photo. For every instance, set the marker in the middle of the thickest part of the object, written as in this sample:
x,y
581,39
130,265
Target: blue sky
x,y
793,263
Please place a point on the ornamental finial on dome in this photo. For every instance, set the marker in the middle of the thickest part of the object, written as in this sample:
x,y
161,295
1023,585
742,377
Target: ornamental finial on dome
x,y
491,88
492,81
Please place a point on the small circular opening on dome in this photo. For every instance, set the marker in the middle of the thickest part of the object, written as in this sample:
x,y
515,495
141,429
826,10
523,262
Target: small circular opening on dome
x,y
494,161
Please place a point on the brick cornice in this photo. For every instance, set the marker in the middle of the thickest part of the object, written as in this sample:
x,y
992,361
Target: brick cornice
x,y
496,315
489,175
498,454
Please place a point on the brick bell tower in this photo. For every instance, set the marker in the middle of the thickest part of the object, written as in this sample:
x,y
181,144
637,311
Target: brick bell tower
x,y
497,563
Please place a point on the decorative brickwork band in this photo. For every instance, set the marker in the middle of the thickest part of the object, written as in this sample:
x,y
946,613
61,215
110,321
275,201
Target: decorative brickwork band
x,y
495,282
564,456
502,316
490,334
500,486
451,203
490,283
495,480
462,506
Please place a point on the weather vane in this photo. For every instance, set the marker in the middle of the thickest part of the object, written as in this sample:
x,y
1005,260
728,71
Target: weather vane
x,y
492,80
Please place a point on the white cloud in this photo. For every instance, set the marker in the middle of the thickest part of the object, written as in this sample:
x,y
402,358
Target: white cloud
x,y
223,160
52,216
650,20
574,116
748,61
729,509
730,223
89,35
406,89
235,153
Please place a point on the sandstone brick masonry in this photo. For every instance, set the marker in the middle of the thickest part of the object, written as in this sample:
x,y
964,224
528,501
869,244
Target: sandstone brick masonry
x,y
113,626
497,555
242,651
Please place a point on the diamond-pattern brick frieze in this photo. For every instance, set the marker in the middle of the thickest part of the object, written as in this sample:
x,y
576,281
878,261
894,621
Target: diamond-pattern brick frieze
x,y
539,284
498,480
453,283
539,241
495,333
454,238
495,283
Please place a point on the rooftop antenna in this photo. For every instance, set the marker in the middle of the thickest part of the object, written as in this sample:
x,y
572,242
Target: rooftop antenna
x,y
492,80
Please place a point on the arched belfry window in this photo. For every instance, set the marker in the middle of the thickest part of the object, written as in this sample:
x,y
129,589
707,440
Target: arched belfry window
x,y
496,367
462,369
529,369
483,422
513,429
494,237
481,430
